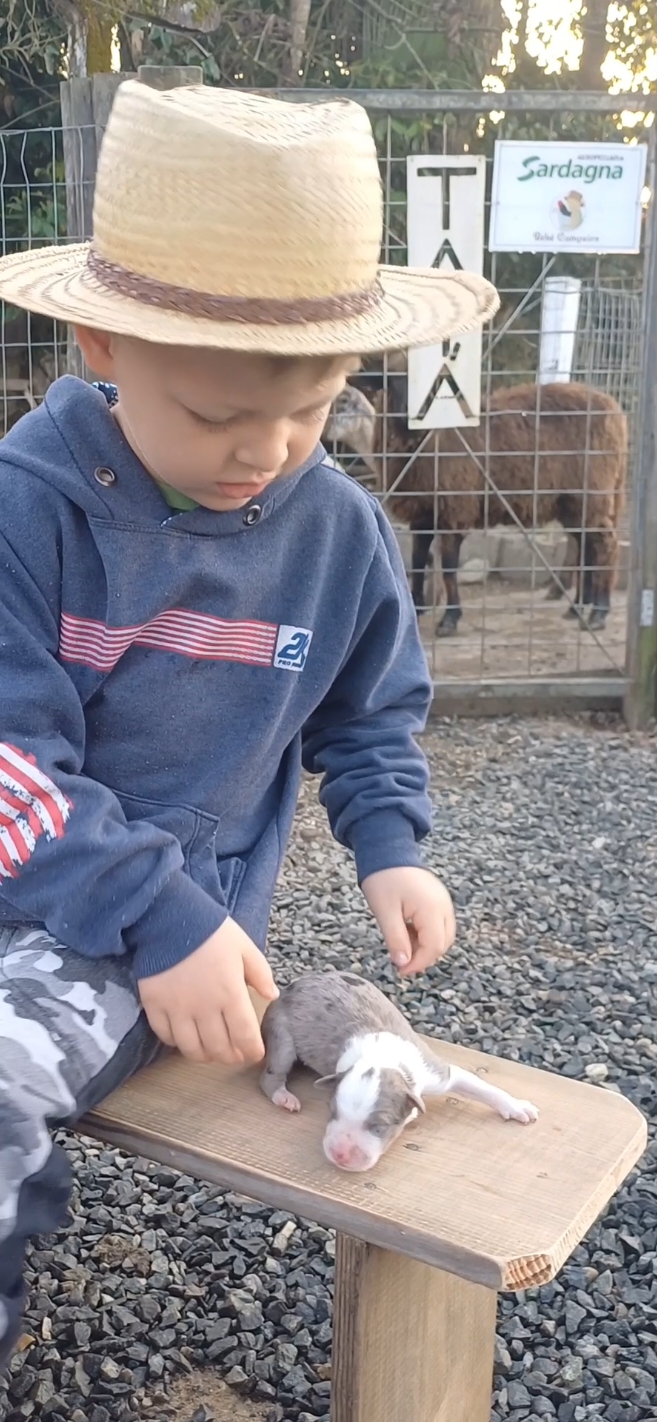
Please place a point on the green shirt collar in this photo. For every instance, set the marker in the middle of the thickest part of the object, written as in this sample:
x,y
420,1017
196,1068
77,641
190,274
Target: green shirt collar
x,y
174,498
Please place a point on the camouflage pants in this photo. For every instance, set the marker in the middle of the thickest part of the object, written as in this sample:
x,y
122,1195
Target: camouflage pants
x,y
71,1030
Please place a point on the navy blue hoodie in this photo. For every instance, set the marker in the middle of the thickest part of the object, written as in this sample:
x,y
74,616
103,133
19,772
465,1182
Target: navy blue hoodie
x,y
163,677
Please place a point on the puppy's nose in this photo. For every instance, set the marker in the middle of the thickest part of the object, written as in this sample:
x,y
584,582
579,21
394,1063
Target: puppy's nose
x,y
349,1157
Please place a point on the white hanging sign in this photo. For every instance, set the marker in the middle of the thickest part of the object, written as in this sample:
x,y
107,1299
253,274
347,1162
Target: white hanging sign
x,y
445,216
566,197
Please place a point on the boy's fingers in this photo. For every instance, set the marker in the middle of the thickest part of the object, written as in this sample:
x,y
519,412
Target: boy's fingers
x,y
433,938
449,924
161,1026
187,1040
243,1029
216,1042
426,954
396,935
258,973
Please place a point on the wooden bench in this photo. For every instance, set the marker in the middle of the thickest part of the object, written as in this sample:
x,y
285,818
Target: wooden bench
x,y
463,1205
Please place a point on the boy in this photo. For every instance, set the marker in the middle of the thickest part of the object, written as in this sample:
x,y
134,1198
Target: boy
x,y
192,605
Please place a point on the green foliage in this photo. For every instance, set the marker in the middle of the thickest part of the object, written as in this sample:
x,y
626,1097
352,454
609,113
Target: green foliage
x,y
446,44
32,59
36,213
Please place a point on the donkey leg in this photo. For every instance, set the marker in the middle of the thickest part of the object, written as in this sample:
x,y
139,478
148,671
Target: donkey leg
x,y
450,548
565,574
423,536
604,555
582,576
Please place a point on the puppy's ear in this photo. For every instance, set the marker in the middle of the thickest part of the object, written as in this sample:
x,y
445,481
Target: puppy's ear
x,y
413,1095
324,1080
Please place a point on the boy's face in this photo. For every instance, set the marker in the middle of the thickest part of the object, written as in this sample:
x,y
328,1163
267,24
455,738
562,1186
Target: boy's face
x,y
218,426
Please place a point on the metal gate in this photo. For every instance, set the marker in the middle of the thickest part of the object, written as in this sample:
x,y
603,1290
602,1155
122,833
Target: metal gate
x,y
523,639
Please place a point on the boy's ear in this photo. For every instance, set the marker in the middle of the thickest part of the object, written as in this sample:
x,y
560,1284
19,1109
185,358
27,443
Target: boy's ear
x,y
96,347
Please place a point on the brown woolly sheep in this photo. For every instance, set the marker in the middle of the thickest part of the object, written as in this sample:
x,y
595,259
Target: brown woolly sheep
x,y
550,451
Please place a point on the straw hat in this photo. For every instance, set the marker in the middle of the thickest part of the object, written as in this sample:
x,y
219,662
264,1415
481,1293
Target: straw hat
x,y
230,220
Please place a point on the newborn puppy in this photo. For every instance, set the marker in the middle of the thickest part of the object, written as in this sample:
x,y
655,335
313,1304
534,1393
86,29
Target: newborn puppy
x,y
346,1030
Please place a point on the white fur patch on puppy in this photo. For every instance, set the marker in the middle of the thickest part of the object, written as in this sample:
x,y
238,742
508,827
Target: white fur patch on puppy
x,y
357,1094
385,1051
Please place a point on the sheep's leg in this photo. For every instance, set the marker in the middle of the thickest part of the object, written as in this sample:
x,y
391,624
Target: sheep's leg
x,y
588,558
566,574
423,536
603,558
597,561
450,548
583,584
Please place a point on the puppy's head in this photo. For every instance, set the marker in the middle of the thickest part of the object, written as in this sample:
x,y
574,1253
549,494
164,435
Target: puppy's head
x,y
370,1107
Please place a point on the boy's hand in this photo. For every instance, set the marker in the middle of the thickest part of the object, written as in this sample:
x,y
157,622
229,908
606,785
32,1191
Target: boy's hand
x,y
202,1006
415,914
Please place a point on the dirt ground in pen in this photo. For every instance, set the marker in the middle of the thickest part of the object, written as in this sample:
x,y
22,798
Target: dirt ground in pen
x,y
513,632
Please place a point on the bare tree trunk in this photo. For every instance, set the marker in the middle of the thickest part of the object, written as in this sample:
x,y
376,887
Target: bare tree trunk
x,y
594,33
76,49
89,37
523,26
99,43
299,17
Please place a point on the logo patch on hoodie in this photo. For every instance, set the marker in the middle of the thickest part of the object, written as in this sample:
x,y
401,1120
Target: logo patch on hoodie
x,y
292,646
188,634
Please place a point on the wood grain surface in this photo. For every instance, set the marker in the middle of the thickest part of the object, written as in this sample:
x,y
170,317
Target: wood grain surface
x,y
494,1202
410,1343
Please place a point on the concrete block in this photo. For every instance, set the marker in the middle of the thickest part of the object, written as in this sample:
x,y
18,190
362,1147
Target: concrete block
x,y
480,546
476,570
518,565
624,562
505,552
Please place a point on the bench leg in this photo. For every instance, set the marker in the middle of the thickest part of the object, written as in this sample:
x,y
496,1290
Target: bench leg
x,y
410,1343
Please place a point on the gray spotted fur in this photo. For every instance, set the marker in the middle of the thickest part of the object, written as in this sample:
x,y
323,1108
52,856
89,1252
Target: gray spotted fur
x,y
315,1018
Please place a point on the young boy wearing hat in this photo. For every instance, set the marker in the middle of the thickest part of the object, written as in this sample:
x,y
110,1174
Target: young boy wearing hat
x,y
193,605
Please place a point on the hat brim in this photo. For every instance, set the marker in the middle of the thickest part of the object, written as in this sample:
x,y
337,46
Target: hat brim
x,y
419,307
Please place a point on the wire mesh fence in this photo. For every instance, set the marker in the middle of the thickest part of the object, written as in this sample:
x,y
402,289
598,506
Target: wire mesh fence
x,y
32,213
514,530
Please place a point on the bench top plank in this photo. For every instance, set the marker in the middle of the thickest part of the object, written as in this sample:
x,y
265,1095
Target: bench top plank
x,y
495,1202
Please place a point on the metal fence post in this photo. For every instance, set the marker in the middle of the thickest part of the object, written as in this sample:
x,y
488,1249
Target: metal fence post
x,y
640,704
86,105
85,109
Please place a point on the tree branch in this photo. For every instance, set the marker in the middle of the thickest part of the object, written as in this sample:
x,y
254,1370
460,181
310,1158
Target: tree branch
x,y
174,25
299,17
593,24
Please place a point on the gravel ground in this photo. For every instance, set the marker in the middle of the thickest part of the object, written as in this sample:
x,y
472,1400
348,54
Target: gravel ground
x,y
547,836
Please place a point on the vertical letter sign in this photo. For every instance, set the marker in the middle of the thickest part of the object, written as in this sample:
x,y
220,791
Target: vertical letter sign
x,y
446,230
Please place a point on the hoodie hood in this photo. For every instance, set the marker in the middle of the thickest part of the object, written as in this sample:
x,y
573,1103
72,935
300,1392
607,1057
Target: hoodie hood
x,y
77,416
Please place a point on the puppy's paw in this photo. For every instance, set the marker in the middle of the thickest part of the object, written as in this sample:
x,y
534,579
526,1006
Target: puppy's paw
x,y
522,1111
286,1100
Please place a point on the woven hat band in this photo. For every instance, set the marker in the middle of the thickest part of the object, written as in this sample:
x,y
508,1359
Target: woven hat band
x,y
249,310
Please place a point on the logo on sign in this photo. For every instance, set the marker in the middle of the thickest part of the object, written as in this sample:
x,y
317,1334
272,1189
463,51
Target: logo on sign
x,y
292,646
568,212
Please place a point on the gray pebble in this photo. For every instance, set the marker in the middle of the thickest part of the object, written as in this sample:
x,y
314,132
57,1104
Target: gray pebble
x,y
238,1379
518,1395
